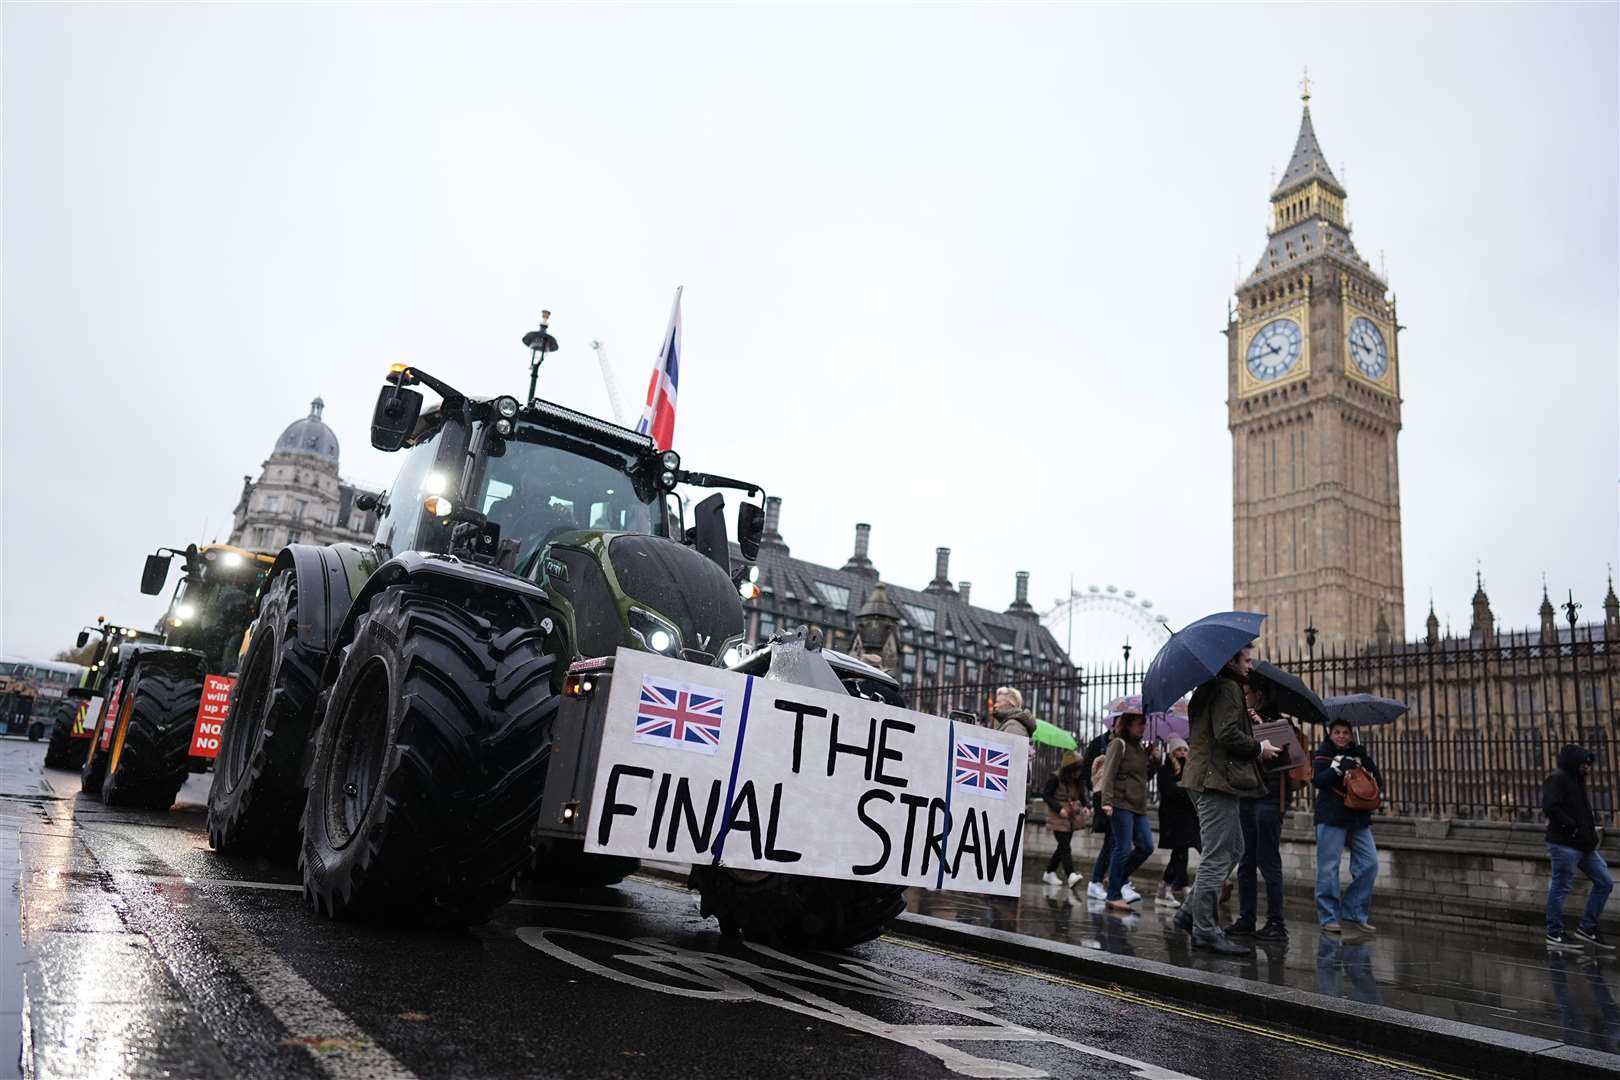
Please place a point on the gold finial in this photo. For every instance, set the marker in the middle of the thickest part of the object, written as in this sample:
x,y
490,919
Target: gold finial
x,y
1305,87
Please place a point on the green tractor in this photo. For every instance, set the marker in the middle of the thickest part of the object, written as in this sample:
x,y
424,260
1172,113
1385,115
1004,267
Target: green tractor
x,y
395,719
154,724
81,705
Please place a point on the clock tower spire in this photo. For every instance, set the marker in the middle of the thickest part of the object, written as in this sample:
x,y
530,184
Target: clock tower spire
x,y
1313,404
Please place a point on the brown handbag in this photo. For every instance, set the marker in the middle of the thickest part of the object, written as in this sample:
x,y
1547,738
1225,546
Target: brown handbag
x,y
1360,790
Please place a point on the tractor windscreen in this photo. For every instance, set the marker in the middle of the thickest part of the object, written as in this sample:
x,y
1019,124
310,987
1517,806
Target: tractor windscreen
x,y
211,612
540,486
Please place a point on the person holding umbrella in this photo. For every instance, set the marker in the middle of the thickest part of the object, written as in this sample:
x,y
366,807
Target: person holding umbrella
x,y
1223,766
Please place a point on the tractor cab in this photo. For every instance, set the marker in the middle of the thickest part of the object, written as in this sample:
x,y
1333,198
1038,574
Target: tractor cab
x,y
213,602
584,508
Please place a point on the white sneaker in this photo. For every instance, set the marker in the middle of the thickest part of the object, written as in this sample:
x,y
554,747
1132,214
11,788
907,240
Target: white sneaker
x,y
1166,901
1131,895
1075,879
1051,878
1095,891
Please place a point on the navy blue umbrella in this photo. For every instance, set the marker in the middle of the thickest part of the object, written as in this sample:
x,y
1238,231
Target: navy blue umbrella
x,y
1289,693
1195,654
1364,710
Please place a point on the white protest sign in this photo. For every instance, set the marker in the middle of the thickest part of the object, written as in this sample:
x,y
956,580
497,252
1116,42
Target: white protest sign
x,y
706,766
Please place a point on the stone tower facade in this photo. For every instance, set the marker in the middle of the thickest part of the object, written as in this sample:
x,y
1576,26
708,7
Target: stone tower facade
x,y
299,497
1314,407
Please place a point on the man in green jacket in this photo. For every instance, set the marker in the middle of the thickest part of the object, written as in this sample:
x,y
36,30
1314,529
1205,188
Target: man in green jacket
x,y
1223,766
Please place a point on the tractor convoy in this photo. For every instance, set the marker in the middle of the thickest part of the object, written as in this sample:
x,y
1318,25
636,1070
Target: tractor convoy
x,y
398,708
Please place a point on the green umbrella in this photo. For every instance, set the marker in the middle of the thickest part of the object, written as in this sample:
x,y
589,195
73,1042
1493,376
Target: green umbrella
x,y
1052,735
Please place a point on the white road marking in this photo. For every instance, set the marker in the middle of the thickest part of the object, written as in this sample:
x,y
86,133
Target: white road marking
x,y
230,883
719,978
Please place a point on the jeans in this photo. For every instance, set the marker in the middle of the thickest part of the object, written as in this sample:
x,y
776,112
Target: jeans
x,y
1331,840
1262,850
1105,856
1062,856
1222,833
1565,861
1133,843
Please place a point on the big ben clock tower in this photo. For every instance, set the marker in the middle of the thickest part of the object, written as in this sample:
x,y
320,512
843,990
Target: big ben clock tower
x,y
1314,407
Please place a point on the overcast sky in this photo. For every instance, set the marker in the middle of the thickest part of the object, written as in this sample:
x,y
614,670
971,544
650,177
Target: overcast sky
x,y
959,272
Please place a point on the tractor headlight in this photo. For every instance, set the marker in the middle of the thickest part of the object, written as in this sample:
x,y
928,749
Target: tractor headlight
x,y
753,573
185,611
735,654
506,407
748,590
667,481
654,633
503,427
232,559
435,484
438,506
671,460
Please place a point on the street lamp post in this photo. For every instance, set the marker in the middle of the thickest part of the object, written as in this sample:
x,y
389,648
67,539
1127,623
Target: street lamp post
x,y
1127,651
1571,611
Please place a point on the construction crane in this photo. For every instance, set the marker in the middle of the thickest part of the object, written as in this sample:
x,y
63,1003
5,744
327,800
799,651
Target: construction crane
x,y
609,382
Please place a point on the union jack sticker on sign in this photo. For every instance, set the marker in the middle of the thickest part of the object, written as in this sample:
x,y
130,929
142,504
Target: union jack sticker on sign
x,y
982,768
679,715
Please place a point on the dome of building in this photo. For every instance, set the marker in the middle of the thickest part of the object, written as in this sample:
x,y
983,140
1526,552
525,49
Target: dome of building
x,y
310,436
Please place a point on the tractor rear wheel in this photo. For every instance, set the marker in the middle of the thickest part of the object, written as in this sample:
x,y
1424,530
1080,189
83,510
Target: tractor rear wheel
x,y
150,756
429,766
257,798
799,912
36,731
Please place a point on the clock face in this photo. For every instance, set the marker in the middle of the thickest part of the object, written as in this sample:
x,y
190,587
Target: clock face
x,y
1275,349
1367,348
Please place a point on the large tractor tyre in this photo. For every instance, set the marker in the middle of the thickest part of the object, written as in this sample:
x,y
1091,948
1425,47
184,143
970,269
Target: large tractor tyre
x,y
36,731
256,800
565,864
798,912
429,766
150,756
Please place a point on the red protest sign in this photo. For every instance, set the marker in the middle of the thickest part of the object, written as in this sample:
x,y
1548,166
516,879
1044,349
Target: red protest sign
x,y
111,714
210,726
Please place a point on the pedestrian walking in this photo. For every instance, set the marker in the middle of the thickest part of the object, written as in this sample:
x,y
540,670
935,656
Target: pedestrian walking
x,y
1124,793
1572,840
1223,766
1261,820
1178,823
1348,784
1066,811
1091,768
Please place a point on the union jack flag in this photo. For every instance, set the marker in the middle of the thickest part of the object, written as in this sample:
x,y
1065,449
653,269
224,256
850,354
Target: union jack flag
x,y
982,768
680,716
658,417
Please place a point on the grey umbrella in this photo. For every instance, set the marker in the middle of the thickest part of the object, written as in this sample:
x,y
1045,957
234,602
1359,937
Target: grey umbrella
x,y
1364,710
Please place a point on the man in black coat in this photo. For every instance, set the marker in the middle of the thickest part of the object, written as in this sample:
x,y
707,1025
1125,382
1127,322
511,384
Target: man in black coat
x,y
1572,841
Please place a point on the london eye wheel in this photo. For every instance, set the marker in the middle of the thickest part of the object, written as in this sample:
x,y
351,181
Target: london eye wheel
x,y
1097,622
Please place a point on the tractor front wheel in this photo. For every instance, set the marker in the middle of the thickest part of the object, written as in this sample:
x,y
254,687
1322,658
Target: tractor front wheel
x,y
257,798
429,766
150,756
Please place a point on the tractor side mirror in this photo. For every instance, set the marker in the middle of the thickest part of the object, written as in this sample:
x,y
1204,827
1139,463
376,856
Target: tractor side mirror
x,y
750,528
709,531
395,417
153,577
84,639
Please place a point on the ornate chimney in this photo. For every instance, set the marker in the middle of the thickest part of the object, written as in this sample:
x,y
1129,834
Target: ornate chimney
x,y
772,536
1020,604
942,573
859,563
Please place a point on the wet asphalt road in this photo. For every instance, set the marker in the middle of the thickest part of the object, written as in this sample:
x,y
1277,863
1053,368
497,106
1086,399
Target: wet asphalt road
x,y
129,949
